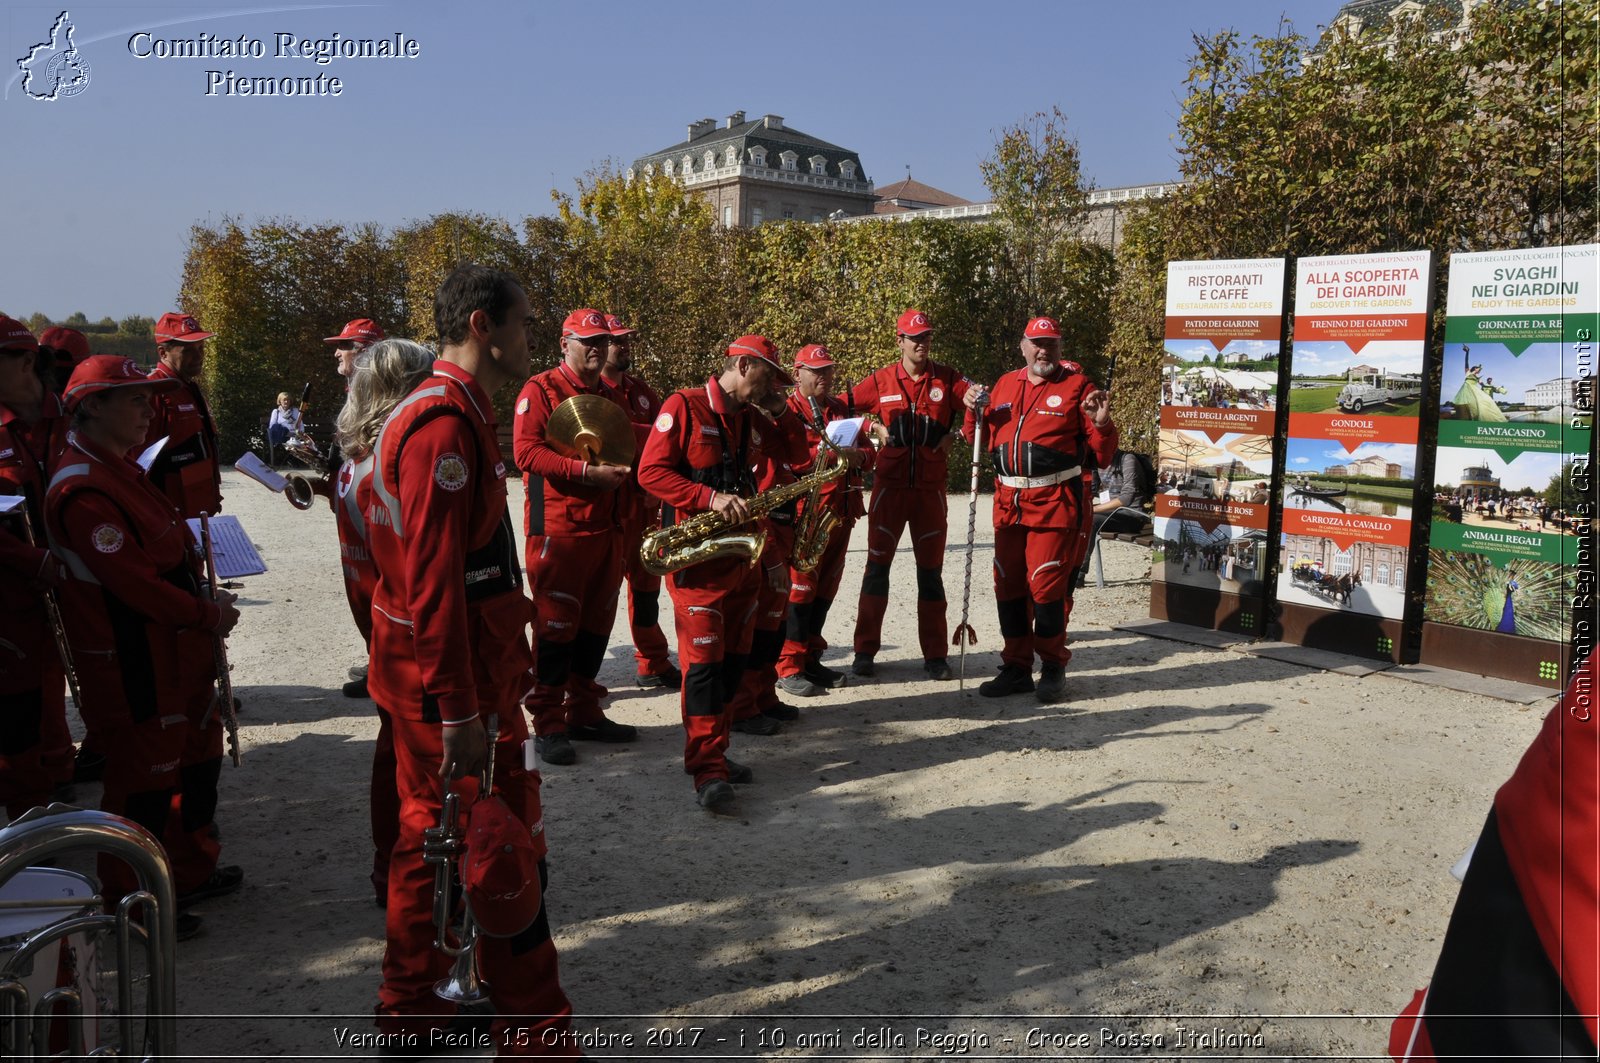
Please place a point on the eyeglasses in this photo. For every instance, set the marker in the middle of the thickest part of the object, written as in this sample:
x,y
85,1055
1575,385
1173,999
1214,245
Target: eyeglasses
x,y
346,348
591,341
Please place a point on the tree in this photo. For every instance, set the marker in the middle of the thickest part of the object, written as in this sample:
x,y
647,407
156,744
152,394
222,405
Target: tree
x,y
38,322
78,320
137,325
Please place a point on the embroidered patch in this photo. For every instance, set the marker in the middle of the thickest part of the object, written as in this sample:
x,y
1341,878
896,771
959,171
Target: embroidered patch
x,y
1053,401
347,476
644,402
664,423
500,470
522,405
891,398
107,538
936,393
450,472
708,430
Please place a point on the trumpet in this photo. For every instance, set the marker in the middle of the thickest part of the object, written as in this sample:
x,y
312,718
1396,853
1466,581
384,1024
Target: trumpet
x,y
443,846
302,489
219,650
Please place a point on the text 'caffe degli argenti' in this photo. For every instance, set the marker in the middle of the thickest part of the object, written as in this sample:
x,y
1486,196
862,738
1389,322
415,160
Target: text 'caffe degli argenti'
x,y
290,47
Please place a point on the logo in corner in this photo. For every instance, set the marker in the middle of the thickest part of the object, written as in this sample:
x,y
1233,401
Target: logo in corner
x,y
450,472
55,69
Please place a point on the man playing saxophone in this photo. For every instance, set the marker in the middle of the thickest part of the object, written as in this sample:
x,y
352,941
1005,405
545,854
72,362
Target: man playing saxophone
x,y
698,459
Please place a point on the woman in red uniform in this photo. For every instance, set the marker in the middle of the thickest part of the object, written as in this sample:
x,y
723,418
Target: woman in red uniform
x,y
141,629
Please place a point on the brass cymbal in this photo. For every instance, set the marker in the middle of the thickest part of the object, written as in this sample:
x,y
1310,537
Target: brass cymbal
x,y
593,428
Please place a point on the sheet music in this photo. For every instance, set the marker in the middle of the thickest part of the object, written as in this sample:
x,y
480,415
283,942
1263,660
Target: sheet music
x,y
845,431
236,555
260,472
151,453
11,502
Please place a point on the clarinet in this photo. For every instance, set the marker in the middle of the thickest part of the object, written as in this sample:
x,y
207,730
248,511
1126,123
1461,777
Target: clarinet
x,y
58,628
219,651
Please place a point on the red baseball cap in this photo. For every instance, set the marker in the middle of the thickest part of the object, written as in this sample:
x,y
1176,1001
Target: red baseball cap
x,y
361,332
615,326
102,372
67,341
1042,328
813,356
500,870
758,346
913,323
14,336
584,324
182,328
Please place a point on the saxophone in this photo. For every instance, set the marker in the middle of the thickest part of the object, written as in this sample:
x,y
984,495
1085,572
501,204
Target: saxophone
x,y
817,522
703,536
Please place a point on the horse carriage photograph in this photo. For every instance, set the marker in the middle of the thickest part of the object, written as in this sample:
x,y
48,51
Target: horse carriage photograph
x,y
1310,577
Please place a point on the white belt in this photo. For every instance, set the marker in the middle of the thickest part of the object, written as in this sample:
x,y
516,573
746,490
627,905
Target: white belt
x,y
1021,482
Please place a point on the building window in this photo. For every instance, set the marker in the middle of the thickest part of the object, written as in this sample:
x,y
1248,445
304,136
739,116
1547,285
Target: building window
x,y
727,217
819,165
711,160
666,167
790,160
688,165
847,170
732,156
1343,562
757,215
788,214
649,170
628,177
758,156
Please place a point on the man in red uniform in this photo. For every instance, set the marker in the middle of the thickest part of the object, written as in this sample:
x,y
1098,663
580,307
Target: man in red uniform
x,y
1041,424
641,516
918,400
800,668
449,650
572,512
35,745
187,470
355,337
60,349
699,457
141,629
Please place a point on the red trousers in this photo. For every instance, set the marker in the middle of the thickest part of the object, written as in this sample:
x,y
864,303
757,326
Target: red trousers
x,y
757,690
644,603
1033,573
385,810
810,596
713,608
891,510
524,983
575,580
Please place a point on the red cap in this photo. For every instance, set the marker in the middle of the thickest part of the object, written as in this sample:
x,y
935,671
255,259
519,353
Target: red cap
x,y
756,346
813,356
913,323
1042,328
500,870
615,326
181,327
102,372
14,336
361,332
584,324
68,341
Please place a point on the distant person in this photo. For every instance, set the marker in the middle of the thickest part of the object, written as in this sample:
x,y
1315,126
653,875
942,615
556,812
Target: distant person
x,y
187,470
59,350
286,422
1124,491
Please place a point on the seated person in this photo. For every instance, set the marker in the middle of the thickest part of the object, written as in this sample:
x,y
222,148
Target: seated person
x,y
285,423
1122,485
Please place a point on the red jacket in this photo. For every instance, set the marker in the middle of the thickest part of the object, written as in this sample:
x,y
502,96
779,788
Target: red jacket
x,y
27,649
642,404
187,471
843,495
448,611
559,501
700,446
352,495
137,620
918,413
1037,430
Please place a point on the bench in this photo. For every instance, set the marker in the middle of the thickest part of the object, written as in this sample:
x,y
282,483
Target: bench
x,y
1143,537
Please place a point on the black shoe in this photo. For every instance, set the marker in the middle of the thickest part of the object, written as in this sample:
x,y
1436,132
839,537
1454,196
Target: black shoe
x,y
759,724
825,677
672,679
863,665
1013,679
939,669
606,730
782,713
356,688
555,749
801,686
1052,684
88,766
223,881
739,773
716,794
189,925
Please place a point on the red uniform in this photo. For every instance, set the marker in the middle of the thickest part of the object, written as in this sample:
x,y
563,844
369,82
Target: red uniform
x,y
641,517
187,470
811,593
908,488
35,745
352,496
448,647
1039,440
574,558
700,446
757,691
141,629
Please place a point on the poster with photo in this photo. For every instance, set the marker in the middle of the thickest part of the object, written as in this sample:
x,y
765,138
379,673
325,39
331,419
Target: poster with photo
x,y
1350,461
1219,406
1516,408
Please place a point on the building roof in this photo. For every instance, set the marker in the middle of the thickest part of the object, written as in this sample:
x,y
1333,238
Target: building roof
x,y
1367,16
768,131
909,193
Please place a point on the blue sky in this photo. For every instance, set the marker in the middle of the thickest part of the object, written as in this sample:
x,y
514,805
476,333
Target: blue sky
x,y
509,100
